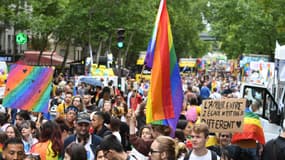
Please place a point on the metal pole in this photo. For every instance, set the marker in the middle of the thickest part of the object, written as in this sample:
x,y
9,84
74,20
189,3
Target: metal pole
x,y
120,65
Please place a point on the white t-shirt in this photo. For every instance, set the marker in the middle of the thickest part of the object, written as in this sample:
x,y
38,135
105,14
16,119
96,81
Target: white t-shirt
x,y
215,95
137,154
90,154
207,156
118,136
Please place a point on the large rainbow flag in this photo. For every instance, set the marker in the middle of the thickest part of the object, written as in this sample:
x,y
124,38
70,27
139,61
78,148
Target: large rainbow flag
x,y
165,96
252,129
28,88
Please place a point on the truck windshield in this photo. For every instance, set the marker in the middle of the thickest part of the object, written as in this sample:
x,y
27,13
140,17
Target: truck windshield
x,y
262,103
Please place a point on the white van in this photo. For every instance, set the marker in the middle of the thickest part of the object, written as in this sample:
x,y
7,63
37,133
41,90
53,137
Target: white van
x,y
270,113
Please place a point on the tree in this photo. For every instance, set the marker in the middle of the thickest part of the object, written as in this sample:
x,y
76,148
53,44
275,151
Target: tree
x,y
246,26
44,19
98,21
15,15
87,23
186,21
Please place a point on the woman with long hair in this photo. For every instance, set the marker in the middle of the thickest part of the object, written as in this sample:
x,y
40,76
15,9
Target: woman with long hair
x,y
50,144
27,135
12,131
78,103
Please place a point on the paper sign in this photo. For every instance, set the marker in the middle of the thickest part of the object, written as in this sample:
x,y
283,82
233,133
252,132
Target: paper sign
x,y
224,114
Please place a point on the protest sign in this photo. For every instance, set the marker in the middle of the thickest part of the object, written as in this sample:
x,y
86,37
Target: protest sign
x,y
224,114
28,88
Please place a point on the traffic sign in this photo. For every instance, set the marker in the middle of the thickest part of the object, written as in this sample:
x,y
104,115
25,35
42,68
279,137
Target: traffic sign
x,y
21,38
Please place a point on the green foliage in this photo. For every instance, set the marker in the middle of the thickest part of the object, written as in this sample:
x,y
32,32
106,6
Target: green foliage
x,y
81,22
14,13
241,26
45,18
186,21
244,26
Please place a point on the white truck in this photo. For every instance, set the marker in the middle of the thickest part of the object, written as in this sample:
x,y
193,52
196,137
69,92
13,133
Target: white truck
x,y
270,115
270,96
279,82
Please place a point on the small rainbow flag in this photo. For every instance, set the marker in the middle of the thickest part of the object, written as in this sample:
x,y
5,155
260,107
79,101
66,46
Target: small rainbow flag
x,y
252,129
28,88
165,96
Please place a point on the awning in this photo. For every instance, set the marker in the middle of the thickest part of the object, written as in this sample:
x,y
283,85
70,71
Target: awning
x,y
47,58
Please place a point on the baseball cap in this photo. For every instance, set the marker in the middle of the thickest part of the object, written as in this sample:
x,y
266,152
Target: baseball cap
x,y
83,117
71,108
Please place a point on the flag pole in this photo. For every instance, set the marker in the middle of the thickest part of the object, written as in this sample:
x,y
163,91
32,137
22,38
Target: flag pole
x,y
142,71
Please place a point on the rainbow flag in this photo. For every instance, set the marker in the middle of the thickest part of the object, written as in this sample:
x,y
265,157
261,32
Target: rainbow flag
x,y
44,149
252,129
165,96
28,88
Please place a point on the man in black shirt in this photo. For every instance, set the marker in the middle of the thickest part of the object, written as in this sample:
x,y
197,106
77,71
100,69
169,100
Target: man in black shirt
x,y
97,121
274,149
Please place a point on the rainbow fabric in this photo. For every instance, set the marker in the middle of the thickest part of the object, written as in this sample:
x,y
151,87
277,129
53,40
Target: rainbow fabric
x,y
165,96
252,129
28,88
44,149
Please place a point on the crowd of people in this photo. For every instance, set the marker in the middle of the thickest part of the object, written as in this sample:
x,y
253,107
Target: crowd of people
x,y
88,122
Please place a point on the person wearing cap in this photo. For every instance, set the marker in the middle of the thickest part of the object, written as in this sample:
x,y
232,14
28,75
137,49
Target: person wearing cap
x,y
82,136
70,116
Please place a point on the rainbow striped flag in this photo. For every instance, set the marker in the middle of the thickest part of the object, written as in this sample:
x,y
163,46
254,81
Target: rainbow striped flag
x,y
252,129
165,96
28,88
44,149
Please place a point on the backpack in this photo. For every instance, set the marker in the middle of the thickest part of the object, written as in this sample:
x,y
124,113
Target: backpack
x,y
213,155
53,105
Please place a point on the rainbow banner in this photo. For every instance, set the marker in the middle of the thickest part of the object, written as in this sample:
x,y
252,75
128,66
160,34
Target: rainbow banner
x,y
165,96
252,129
28,88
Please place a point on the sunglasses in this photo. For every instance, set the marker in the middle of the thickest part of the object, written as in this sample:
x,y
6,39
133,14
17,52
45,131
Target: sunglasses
x,y
225,136
154,151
